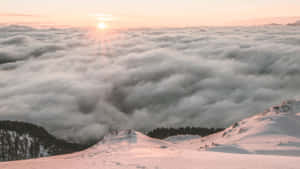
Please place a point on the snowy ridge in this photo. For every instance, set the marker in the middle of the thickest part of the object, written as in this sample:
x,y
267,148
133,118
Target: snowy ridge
x,y
129,137
126,140
273,132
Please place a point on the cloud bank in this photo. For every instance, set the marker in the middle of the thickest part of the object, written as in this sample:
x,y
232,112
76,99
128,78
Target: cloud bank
x,y
79,85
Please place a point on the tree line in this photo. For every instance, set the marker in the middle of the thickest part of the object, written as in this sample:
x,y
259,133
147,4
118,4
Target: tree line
x,y
21,140
164,132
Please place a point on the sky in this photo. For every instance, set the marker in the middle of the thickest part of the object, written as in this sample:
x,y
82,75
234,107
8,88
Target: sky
x,y
142,13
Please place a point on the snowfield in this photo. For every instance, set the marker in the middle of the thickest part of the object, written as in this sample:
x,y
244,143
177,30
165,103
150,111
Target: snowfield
x,y
270,140
275,131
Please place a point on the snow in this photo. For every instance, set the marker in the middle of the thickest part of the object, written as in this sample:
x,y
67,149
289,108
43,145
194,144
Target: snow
x,y
265,133
270,140
181,138
130,149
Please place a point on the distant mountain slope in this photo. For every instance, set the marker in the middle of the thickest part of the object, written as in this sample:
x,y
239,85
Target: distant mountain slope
x,y
242,145
132,150
275,131
19,140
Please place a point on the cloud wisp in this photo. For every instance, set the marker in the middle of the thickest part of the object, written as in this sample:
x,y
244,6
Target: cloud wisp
x,y
18,15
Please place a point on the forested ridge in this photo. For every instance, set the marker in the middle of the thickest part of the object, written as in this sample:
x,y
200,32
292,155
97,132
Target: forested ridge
x,y
20,140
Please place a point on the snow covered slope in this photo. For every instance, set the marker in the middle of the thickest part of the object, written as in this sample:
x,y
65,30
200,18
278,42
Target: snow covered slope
x,y
129,149
181,138
274,132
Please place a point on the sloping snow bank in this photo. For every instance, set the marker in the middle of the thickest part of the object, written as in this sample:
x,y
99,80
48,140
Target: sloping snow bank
x,y
132,150
181,138
275,131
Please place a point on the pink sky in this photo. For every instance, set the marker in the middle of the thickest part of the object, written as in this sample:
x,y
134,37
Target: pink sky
x,y
155,13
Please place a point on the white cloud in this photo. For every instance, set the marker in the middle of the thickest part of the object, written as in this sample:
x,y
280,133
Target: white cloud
x,y
79,87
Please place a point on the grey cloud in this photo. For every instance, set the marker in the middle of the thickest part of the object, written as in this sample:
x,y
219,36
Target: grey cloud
x,y
16,40
6,58
79,85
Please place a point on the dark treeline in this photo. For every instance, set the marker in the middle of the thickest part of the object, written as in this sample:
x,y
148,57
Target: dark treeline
x,y
20,140
163,132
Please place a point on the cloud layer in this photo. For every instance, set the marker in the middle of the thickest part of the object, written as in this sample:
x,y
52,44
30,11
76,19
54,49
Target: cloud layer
x,y
80,84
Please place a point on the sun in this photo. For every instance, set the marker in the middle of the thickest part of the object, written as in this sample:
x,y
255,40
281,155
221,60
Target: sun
x,y
102,25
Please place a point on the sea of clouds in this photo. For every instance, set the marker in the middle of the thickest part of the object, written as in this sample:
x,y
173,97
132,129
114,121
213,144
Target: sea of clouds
x,y
79,84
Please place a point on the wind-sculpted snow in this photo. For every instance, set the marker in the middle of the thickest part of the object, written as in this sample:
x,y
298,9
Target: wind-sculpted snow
x,y
79,84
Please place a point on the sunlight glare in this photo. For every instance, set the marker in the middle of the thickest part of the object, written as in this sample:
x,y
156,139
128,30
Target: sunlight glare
x,y
102,26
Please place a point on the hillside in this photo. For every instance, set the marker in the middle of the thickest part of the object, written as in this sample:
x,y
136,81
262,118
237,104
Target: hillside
x,y
20,140
133,150
245,144
275,131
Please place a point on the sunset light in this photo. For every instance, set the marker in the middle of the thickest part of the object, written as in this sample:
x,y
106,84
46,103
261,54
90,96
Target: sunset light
x,y
141,84
102,26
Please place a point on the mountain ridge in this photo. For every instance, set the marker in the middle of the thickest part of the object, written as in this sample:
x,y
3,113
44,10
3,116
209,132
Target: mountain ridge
x,y
274,131
245,144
